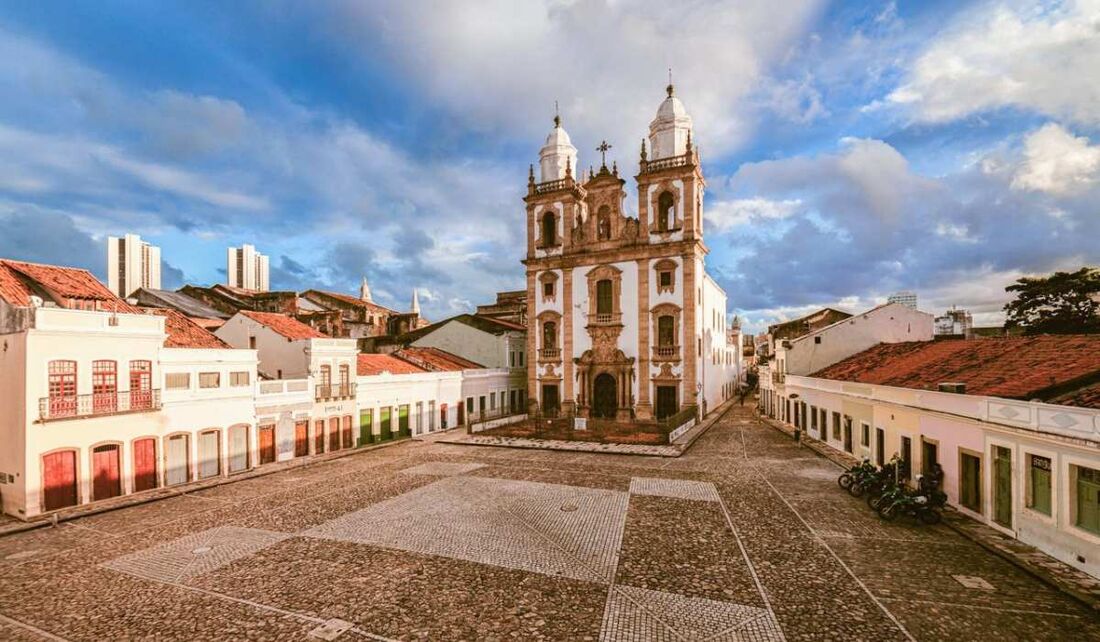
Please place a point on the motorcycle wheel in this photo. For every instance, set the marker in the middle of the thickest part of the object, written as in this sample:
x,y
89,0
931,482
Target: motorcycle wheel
x,y
873,500
888,512
845,480
930,517
856,489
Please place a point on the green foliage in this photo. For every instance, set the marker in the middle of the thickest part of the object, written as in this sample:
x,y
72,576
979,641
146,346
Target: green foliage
x,y
1062,303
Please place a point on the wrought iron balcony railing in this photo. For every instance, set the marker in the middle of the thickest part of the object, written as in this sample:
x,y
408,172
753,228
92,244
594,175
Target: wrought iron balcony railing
x,y
97,404
329,392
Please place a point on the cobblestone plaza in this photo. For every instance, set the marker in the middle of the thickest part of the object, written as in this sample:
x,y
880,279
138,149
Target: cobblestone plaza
x,y
745,537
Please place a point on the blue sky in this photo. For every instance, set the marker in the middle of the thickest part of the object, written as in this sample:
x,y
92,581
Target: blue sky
x,y
850,149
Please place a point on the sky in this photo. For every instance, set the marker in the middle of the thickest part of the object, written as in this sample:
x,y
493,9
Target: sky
x,y
850,149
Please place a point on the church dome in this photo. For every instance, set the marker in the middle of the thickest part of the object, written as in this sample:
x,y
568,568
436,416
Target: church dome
x,y
670,129
557,156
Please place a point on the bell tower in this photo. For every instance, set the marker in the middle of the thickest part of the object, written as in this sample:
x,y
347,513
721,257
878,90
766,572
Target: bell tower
x,y
670,178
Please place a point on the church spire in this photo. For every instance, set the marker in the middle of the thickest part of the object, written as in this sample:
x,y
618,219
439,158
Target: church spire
x,y
364,291
415,303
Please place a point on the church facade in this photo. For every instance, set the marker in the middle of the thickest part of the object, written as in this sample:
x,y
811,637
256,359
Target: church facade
x,y
624,323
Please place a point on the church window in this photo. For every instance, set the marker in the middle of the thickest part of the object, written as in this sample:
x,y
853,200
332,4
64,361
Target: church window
x,y
603,222
665,331
665,212
666,271
549,229
548,289
604,303
549,335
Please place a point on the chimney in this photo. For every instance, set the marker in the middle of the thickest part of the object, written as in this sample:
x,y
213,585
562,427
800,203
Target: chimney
x,y
953,387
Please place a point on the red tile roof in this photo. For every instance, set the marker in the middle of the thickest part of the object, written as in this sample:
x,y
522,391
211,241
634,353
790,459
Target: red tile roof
x,y
1087,397
372,364
1012,367
63,282
183,332
289,327
435,359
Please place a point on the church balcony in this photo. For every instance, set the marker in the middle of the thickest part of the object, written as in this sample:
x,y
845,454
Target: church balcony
x,y
659,164
666,353
553,186
605,319
550,354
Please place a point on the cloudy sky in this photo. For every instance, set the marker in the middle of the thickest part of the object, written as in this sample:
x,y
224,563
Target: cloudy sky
x,y
850,150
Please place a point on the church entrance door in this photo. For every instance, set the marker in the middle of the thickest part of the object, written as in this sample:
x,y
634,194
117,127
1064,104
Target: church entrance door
x,y
604,397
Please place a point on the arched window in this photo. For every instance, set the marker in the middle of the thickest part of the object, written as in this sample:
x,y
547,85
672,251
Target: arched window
x,y
603,223
549,335
549,229
665,212
604,297
666,333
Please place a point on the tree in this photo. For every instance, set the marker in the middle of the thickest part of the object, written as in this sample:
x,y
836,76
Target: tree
x,y
1062,303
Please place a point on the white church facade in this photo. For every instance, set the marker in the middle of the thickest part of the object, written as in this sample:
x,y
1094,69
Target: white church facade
x,y
624,321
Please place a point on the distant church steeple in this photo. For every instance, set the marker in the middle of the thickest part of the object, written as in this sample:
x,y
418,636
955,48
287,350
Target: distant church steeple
x,y
415,303
364,291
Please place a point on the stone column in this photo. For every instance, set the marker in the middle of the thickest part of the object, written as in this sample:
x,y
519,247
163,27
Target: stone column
x,y
568,397
643,409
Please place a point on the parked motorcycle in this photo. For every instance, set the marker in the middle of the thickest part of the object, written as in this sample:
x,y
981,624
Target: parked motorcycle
x,y
858,471
901,501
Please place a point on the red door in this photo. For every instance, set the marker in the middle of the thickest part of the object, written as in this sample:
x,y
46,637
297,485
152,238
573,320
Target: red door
x,y
145,464
347,433
334,434
59,475
106,481
319,436
301,439
267,444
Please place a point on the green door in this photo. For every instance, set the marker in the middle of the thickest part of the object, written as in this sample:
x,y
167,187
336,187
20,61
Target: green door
x,y
1002,486
365,424
384,419
403,420
1088,499
970,482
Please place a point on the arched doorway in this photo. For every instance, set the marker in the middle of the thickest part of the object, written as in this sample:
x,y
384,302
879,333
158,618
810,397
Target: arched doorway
x,y
604,397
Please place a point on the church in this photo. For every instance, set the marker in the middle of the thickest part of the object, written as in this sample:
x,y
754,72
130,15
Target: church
x,y
624,323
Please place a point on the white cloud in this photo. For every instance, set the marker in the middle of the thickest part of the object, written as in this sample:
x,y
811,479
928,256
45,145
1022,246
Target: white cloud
x,y
1057,162
725,215
500,65
1032,57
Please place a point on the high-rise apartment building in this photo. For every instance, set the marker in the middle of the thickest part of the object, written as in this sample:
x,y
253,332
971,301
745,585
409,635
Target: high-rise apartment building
x,y
246,268
132,264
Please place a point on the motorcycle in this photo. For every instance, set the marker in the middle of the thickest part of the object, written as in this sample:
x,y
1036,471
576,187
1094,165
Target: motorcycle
x,y
858,471
900,501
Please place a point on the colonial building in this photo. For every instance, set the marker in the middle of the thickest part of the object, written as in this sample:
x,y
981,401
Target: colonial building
x,y
624,321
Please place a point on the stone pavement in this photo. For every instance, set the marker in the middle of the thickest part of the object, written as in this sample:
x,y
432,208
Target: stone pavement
x,y
744,537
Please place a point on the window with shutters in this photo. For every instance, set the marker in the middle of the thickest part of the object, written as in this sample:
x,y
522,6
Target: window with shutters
x,y
177,380
1087,500
1038,484
238,379
210,379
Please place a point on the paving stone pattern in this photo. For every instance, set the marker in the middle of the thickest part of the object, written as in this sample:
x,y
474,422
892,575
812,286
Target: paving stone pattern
x,y
744,537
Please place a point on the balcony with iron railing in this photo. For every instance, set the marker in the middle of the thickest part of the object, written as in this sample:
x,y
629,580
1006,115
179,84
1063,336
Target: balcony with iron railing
x,y
666,353
57,408
334,391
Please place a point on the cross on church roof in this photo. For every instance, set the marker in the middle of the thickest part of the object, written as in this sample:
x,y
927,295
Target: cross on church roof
x,y
602,149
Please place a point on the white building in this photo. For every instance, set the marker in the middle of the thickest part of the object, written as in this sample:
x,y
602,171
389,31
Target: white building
x,y
955,323
624,322
290,350
131,264
104,399
824,346
1013,422
397,398
246,268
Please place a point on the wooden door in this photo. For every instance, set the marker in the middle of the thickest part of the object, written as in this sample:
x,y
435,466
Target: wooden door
x,y
238,449
145,464
334,434
1002,486
209,455
178,464
301,438
880,446
267,444
59,478
666,402
106,480
319,436
348,439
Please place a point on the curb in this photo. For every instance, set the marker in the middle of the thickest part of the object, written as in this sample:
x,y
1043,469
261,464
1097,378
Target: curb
x,y
55,518
953,519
